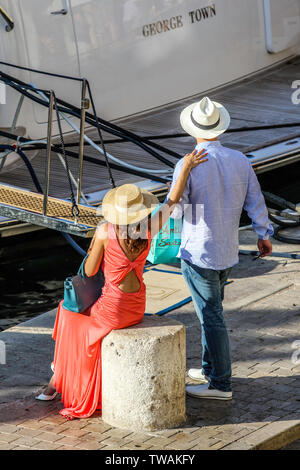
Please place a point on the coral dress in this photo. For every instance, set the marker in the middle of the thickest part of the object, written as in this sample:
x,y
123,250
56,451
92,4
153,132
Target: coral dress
x,y
77,357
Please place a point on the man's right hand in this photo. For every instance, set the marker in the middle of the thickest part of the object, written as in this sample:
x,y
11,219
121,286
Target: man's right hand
x,y
265,247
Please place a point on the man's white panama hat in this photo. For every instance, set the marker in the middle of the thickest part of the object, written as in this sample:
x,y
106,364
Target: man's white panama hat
x,y
205,119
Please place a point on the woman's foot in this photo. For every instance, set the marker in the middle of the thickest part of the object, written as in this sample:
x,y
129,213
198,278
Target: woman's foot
x,y
49,393
44,397
50,390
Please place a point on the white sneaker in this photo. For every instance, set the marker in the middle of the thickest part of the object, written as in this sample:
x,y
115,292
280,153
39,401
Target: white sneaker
x,y
206,391
196,374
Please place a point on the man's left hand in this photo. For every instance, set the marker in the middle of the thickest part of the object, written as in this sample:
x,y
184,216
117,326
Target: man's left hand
x,y
265,247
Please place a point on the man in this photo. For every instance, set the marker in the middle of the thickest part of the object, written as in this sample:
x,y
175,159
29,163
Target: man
x,y
213,200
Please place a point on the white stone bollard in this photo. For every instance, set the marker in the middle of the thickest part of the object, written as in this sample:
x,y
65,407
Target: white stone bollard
x,y
143,375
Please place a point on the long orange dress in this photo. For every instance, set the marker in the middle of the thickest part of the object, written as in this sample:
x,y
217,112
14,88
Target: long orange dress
x,y
77,357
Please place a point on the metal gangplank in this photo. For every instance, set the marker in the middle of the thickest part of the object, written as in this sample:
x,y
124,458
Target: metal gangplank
x,y
38,208
28,207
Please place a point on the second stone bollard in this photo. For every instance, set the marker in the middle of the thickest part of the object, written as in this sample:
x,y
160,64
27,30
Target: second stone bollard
x,y
143,375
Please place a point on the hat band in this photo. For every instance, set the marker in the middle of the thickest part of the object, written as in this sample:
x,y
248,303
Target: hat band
x,y
203,127
134,209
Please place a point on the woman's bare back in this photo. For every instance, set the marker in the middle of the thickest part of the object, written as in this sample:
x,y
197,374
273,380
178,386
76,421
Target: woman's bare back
x,y
130,283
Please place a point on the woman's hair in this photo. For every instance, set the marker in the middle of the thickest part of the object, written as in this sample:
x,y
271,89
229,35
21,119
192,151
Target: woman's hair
x,y
134,236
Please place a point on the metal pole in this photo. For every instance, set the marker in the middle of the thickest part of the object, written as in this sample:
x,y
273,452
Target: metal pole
x,y
49,144
85,104
73,178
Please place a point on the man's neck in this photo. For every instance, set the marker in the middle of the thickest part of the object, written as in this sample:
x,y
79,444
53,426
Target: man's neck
x,y
200,141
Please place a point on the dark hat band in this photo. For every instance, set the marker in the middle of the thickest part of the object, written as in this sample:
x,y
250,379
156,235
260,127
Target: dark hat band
x,y
200,126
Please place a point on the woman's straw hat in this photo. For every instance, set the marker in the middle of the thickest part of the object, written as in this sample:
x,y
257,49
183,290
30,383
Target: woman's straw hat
x,y
128,204
205,119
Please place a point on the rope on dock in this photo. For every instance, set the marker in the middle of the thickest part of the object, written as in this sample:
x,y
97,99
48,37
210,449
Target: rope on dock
x,y
274,254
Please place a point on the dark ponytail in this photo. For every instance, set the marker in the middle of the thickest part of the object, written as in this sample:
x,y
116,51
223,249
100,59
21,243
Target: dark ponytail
x,y
134,236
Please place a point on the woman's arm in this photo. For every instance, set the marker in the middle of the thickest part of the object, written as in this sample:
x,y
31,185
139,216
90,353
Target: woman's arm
x,y
191,160
96,250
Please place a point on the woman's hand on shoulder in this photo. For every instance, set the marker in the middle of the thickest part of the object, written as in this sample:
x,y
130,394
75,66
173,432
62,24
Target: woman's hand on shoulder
x,y
191,160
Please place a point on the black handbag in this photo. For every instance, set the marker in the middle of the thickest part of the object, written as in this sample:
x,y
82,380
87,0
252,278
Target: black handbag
x,y
81,291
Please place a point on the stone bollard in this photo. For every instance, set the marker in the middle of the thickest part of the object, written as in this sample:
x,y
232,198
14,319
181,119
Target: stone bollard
x,y
143,375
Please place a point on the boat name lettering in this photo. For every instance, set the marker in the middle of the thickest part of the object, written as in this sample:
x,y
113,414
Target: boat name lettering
x,y
202,13
175,22
162,26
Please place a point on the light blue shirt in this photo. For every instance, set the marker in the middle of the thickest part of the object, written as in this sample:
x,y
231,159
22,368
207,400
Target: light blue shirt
x,y
216,192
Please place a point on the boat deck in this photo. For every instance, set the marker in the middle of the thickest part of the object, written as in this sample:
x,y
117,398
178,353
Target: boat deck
x,y
263,99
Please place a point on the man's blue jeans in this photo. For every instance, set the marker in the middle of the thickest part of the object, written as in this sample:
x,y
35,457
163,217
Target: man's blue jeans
x,y
207,290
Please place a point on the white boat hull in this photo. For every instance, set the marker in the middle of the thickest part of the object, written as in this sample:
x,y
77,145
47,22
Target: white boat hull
x,y
140,54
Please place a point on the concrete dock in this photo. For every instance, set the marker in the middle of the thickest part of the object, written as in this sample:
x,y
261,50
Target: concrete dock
x,y
262,311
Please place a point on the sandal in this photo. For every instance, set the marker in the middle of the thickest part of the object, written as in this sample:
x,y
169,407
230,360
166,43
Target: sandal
x,y
44,397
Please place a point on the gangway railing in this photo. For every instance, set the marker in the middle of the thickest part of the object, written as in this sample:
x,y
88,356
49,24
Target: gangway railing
x,y
26,205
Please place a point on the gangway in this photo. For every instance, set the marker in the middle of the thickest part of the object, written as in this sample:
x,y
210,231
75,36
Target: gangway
x,y
57,213
28,207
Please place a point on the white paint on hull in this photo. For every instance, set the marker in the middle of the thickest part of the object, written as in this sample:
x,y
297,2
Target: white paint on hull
x,y
137,54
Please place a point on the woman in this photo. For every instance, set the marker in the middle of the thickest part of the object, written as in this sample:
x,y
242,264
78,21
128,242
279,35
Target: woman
x,y
121,247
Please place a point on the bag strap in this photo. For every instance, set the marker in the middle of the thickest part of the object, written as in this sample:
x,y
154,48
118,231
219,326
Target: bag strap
x,y
81,267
